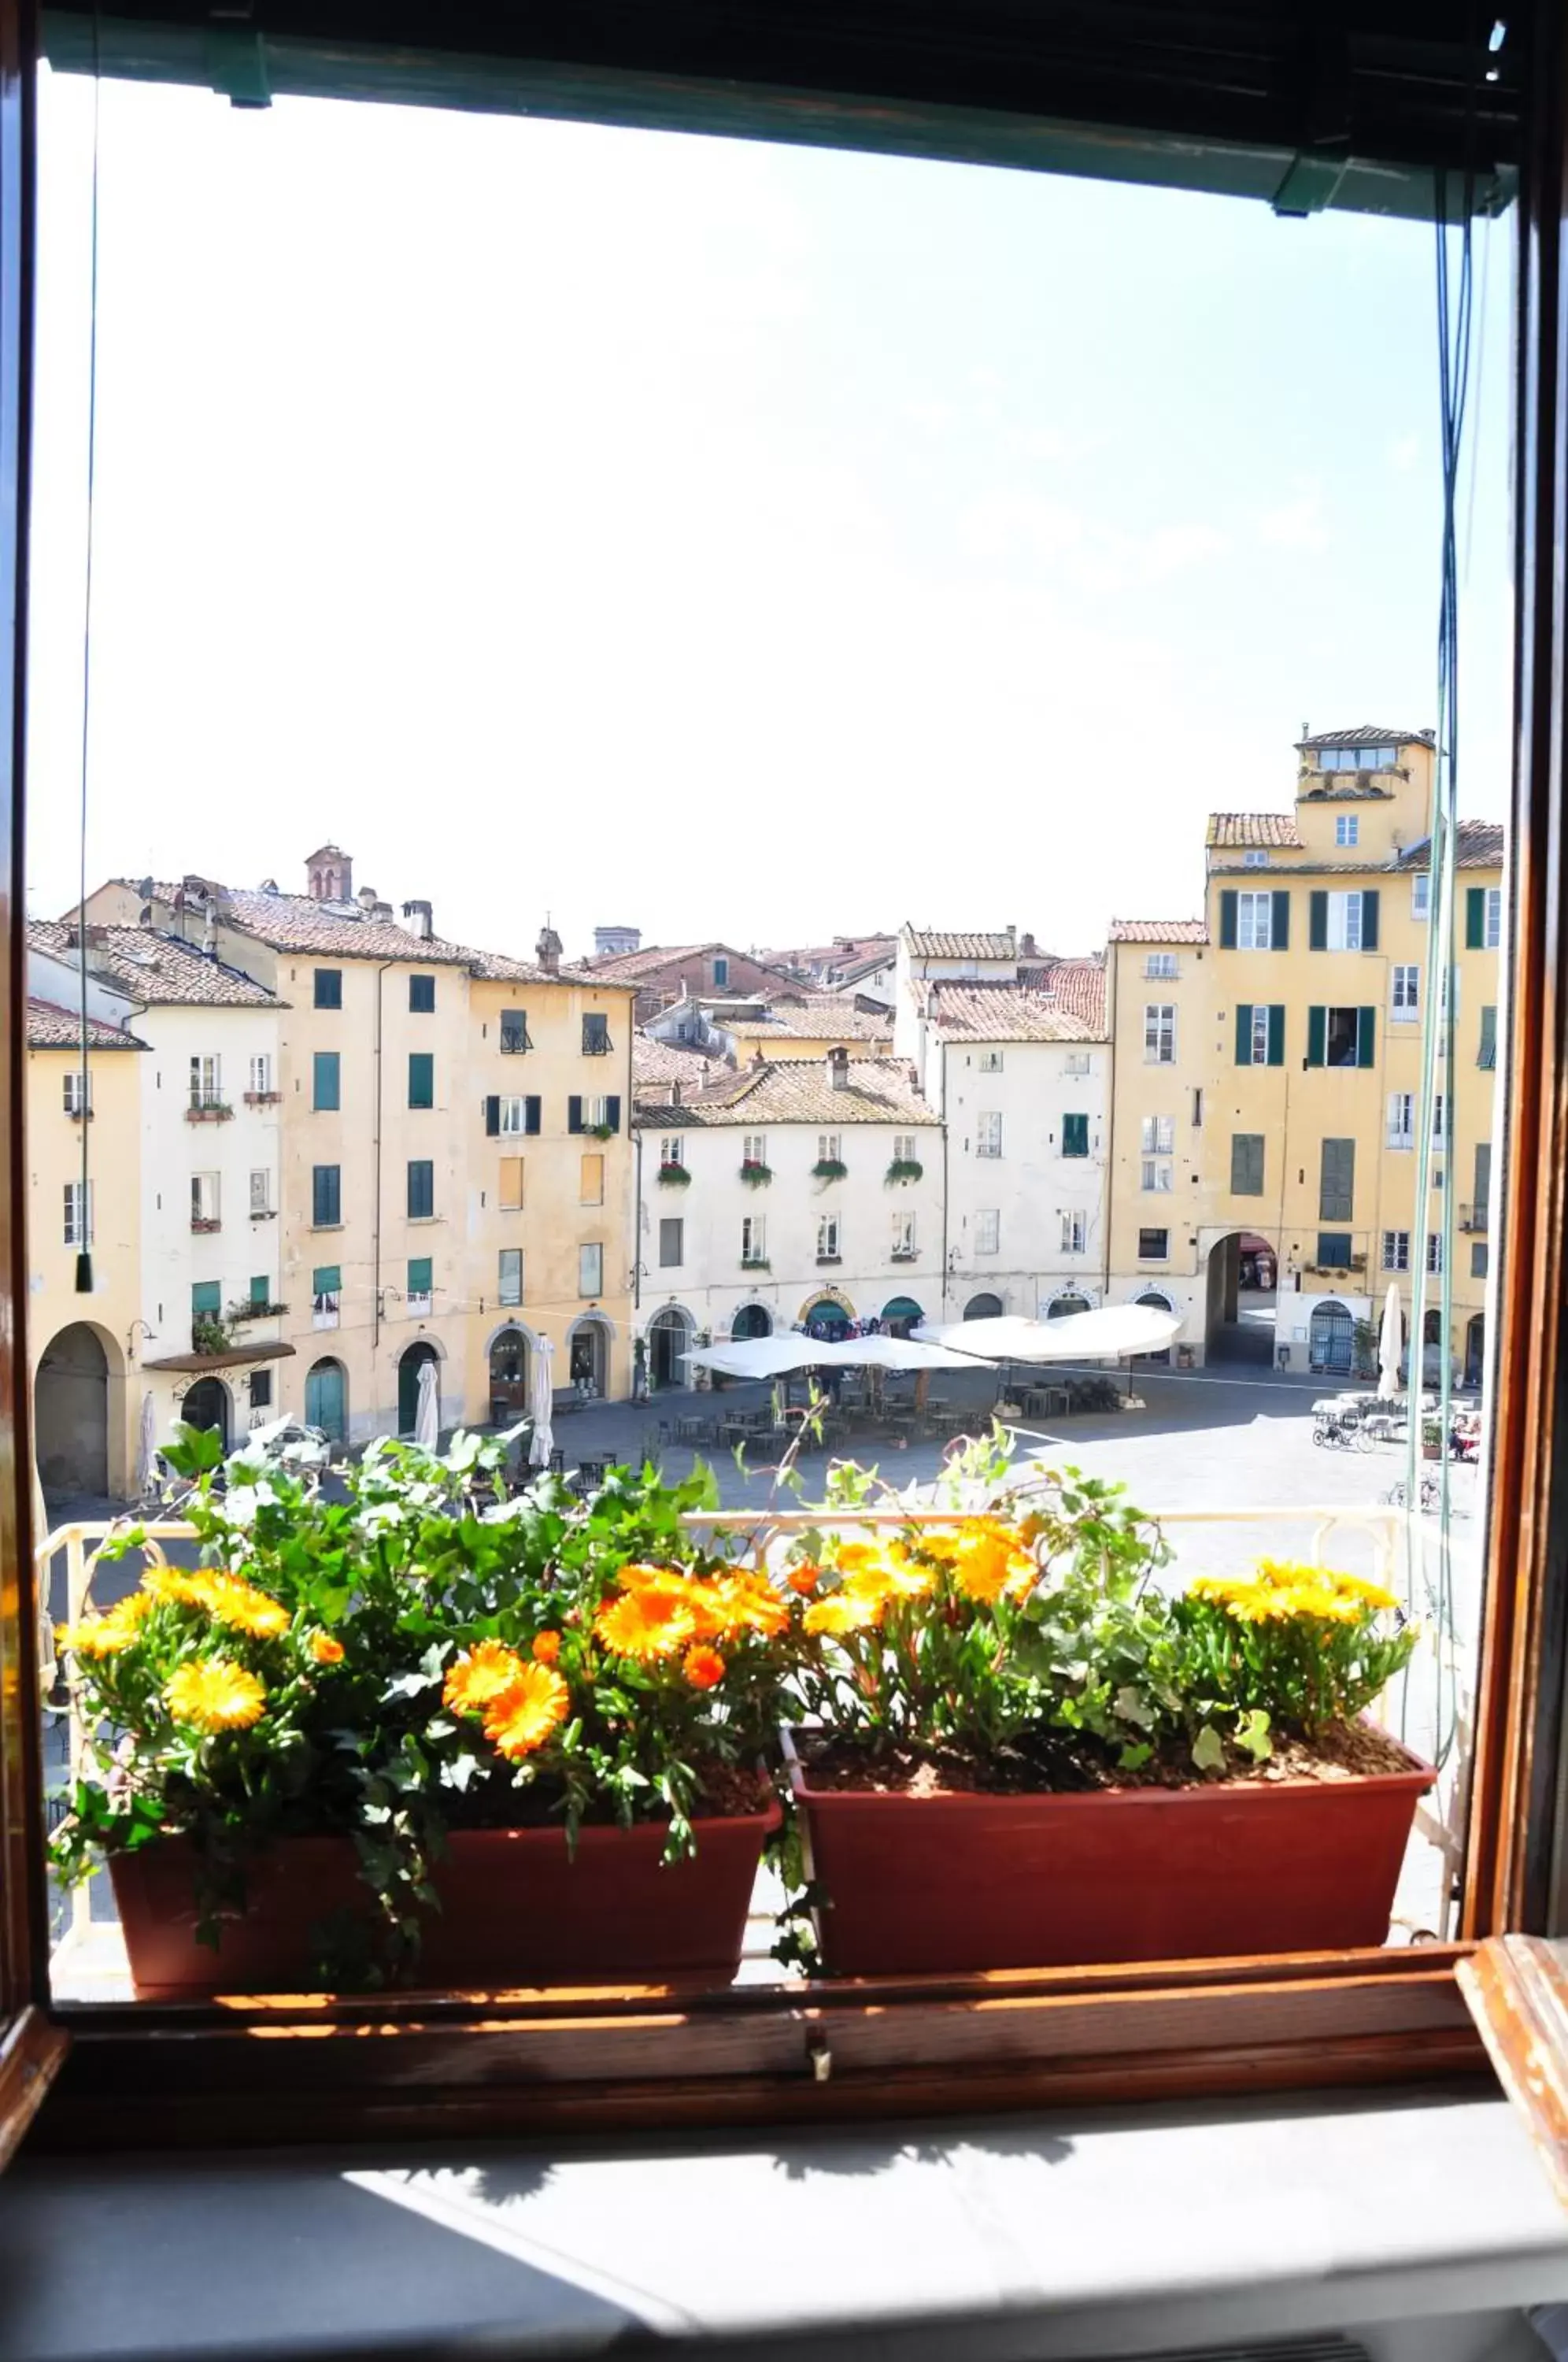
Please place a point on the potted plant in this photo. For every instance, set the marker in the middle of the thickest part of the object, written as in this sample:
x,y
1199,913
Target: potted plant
x,y
829,1168
754,1173
1025,1753
674,1176
387,1737
1432,1439
901,1169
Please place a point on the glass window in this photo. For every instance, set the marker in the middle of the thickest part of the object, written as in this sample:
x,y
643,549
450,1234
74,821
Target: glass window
x,y
1158,1135
421,1188
590,1269
672,1149
1160,967
1260,1032
595,1035
1154,1246
260,1389
420,1284
260,1192
261,1077
329,987
1255,921
325,1196
754,1148
987,1230
1157,1173
509,1276
1254,858
326,1295
421,1078
206,1082
1405,993
754,1239
79,1213
1344,923
1396,1250
904,1236
990,1061
1478,1259
1159,1033
78,1092
987,1134
829,1148
671,1241
1347,828
204,1213
1434,1250
1075,1231
904,1148
1401,1119
827,1237
1494,934
512,1117
326,1083
514,1031
1421,895
421,995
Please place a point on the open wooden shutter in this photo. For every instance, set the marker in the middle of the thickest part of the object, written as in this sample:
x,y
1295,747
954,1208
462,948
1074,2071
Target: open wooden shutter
x,y
1228,919
1316,1029
1318,921
574,1113
532,1111
1366,1037
1474,918
1369,901
1276,1033
1279,931
612,1113
492,1117
1243,1033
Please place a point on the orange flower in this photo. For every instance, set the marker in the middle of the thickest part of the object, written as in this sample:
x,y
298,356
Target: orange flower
x,y
743,1601
324,1648
480,1676
520,1718
803,1578
657,1619
844,1611
546,1647
702,1667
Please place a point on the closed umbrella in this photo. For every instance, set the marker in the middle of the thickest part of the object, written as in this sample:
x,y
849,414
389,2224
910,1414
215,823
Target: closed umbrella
x,y
1389,1345
541,1403
146,1447
428,1410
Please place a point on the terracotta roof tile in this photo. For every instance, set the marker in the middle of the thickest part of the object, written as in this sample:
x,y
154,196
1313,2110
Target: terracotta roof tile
x,y
51,1027
1070,1008
152,966
801,1090
655,1064
817,1018
1159,931
1252,828
1369,735
927,943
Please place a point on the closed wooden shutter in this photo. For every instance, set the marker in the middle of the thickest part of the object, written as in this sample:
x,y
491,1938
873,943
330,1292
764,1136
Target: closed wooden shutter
x,y
1279,932
1246,1163
1244,1033
1482,1178
1474,918
1317,1027
574,1113
1366,1037
493,1116
612,1113
1276,1033
1317,922
530,1112
1336,1186
1369,902
1486,1056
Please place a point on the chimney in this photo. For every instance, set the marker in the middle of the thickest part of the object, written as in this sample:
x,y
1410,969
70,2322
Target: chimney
x,y
383,913
674,1095
209,935
329,875
547,950
419,919
838,1069
366,898
1028,946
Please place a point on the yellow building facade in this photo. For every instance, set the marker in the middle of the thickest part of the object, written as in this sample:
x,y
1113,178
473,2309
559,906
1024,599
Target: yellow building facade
x,y
1158,1017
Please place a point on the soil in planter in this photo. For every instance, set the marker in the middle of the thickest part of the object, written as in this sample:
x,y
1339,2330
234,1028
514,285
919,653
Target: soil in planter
x,y
1059,1763
725,1791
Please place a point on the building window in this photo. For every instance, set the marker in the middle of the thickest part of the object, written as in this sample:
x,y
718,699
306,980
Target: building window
x,y
421,996
1401,1119
421,1079
78,1092
590,1269
987,1230
509,1190
590,1181
1345,922
1421,895
1494,933
1336,1181
1255,917
509,1276
1159,1144
1159,1033
904,1148
1342,1037
595,1035
79,1213
511,1116
1157,1173
1254,858
988,1061
1075,1233
326,1295
1478,1259
329,987
325,1197
1487,1055
1434,1250
260,1294
1258,1037
601,1112
1440,1122
260,1389
671,1241
1357,758
721,970
206,1082
1247,1163
261,1077
754,1148
988,1135
1074,1135
1078,1062
1160,967
1333,1251
754,1239
1197,1107
206,1300
1347,828
260,1191
1405,1002
672,1150
326,1081
421,1188
420,1274
829,1148
904,1237
827,1237
1154,1246
514,1031
1396,1250
204,1213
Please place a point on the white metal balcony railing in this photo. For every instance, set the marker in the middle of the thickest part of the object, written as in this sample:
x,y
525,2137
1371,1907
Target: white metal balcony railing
x,y
1397,1541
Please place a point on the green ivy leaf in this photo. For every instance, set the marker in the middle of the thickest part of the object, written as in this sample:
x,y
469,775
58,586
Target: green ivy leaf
x,y
1209,1750
1253,1733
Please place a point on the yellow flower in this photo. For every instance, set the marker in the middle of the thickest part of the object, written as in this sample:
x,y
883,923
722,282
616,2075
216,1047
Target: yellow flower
x,y
214,1694
169,1582
106,1636
324,1648
232,1601
845,1611
520,1718
744,1602
657,1619
480,1676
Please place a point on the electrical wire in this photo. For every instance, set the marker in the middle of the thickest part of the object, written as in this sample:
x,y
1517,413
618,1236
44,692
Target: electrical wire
x,y
84,1233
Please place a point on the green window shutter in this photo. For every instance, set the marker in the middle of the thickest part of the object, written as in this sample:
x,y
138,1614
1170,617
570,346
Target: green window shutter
x,y
1228,919
1246,1163
421,1078
1333,1251
259,1291
1279,932
325,1085
1474,918
1317,1027
1276,1033
532,1106
327,1195
612,1113
1366,1037
421,1188
206,1297
421,1269
1478,1260
1369,901
1488,1053
492,1117
1074,1135
326,1279
574,1113
1336,1181
1243,1033
1318,921
1483,1176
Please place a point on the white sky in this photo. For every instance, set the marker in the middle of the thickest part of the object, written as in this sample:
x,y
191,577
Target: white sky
x,y
727,540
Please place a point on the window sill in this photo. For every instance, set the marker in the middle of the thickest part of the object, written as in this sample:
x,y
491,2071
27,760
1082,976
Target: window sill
x,y
328,1226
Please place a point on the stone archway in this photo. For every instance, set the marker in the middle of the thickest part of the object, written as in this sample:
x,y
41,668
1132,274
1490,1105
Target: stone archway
x,y
1158,1301
1064,1306
411,1360
508,1375
1241,1294
1474,1348
751,1321
1331,1338
588,1357
209,1405
983,1307
670,1333
71,1411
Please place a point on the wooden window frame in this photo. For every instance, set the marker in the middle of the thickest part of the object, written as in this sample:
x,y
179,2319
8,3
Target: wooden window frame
x,y
420,2064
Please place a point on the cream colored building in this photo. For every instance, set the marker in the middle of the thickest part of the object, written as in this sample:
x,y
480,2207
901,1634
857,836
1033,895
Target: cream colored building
x,y
1162,1031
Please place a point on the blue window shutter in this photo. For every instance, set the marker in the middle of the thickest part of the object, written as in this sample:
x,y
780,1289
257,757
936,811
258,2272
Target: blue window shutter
x,y
1228,919
1366,1037
1474,918
1317,923
206,1297
326,1086
1316,1028
612,1113
421,1078
492,1117
532,1107
1276,1033
1279,932
1243,1033
574,1113
1074,1135
1369,900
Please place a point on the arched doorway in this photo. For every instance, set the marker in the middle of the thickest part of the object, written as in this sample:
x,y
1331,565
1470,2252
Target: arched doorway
x,y
826,1317
752,1321
508,1375
410,1363
71,1412
1061,1307
900,1314
587,1364
983,1307
1160,1302
1241,1295
669,1334
326,1400
1330,1339
1474,1348
206,1405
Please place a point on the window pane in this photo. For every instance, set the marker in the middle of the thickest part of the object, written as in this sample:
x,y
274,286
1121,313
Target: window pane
x,y
421,1078
421,1188
329,987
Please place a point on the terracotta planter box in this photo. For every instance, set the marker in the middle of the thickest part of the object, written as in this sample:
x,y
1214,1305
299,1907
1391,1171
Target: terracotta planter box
x,y
516,1910
936,1884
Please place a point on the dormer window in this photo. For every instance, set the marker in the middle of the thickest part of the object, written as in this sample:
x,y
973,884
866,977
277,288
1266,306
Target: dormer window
x,y
1254,858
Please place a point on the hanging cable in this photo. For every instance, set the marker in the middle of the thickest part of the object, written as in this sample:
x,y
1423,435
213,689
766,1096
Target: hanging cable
x,y
85,1222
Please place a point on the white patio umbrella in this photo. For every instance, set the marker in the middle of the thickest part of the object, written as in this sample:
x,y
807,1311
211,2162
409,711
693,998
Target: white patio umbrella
x,y
145,1447
541,1403
1105,1335
771,1357
1390,1344
428,1410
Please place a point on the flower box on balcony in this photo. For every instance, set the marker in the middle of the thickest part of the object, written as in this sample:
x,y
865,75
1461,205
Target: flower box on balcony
x,y
263,1099
829,1258
756,1262
209,1111
238,1314
205,1222
829,1168
904,1168
905,1255
755,1174
674,1177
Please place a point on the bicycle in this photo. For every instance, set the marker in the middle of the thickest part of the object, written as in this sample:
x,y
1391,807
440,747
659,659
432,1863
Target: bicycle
x,y
1396,1495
